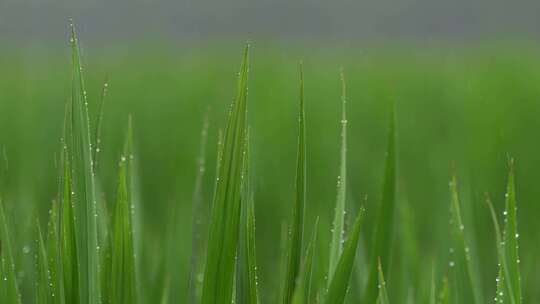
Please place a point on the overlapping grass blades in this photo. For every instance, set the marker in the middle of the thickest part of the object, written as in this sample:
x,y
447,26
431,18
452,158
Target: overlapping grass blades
x,y
302,293
9,291
83,192
340,280
225,221
123,276
462,284
336,245
296,230
382,240
508,277
246,270
44,280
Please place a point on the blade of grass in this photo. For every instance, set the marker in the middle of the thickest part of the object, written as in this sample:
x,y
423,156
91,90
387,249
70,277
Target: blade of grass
x,y
83,185
504,293
9,291
510,237
296,232
53,255
302,294
382,241
336,244
246,270
383,294
463,285
340,280
99,121
123,259
224,225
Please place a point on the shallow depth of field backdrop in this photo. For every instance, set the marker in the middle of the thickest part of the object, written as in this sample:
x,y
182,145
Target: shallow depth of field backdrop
x,y
464,77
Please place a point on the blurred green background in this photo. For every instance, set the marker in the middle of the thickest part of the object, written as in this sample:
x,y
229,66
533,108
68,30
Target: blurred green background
x,y
474,106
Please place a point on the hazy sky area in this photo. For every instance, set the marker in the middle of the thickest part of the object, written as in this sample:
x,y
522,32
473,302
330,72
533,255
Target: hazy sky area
x,y
100,21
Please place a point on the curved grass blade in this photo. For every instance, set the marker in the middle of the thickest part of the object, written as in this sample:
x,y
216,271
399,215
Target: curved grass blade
x,y
9,291
224,225
383,294
302,294
340,280
83,185
296,233
382,241
462,283
336,245
510,238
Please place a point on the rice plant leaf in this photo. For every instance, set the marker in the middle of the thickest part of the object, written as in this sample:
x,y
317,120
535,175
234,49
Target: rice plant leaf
x,y
433,288
336,245
510,238
98,127
503,292
382,241
9,290
44,281
85,208
296,233
69,265
302,294
225,220
246,270
383,294
340,280
53,255
123,261
462,283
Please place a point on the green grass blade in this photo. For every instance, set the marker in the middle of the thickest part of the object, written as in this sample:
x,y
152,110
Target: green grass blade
x,y
383,294
336,245
123,261
382,241
68,245
302,294
462,283
510,238
99,122
296,232
433,288
53,256
9,291
224,225
340,280
83,185
504,293
44,280
246,271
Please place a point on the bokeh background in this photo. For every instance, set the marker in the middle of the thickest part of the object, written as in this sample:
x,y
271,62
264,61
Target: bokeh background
x,y
464,76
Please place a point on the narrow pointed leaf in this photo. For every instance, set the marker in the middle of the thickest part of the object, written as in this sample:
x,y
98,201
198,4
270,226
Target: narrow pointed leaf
x,y
296,233
302,294
383,237
224,225
383,294
9,291
340,280
336,245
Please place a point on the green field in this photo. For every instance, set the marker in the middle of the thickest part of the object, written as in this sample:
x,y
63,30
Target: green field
x,y
465,110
